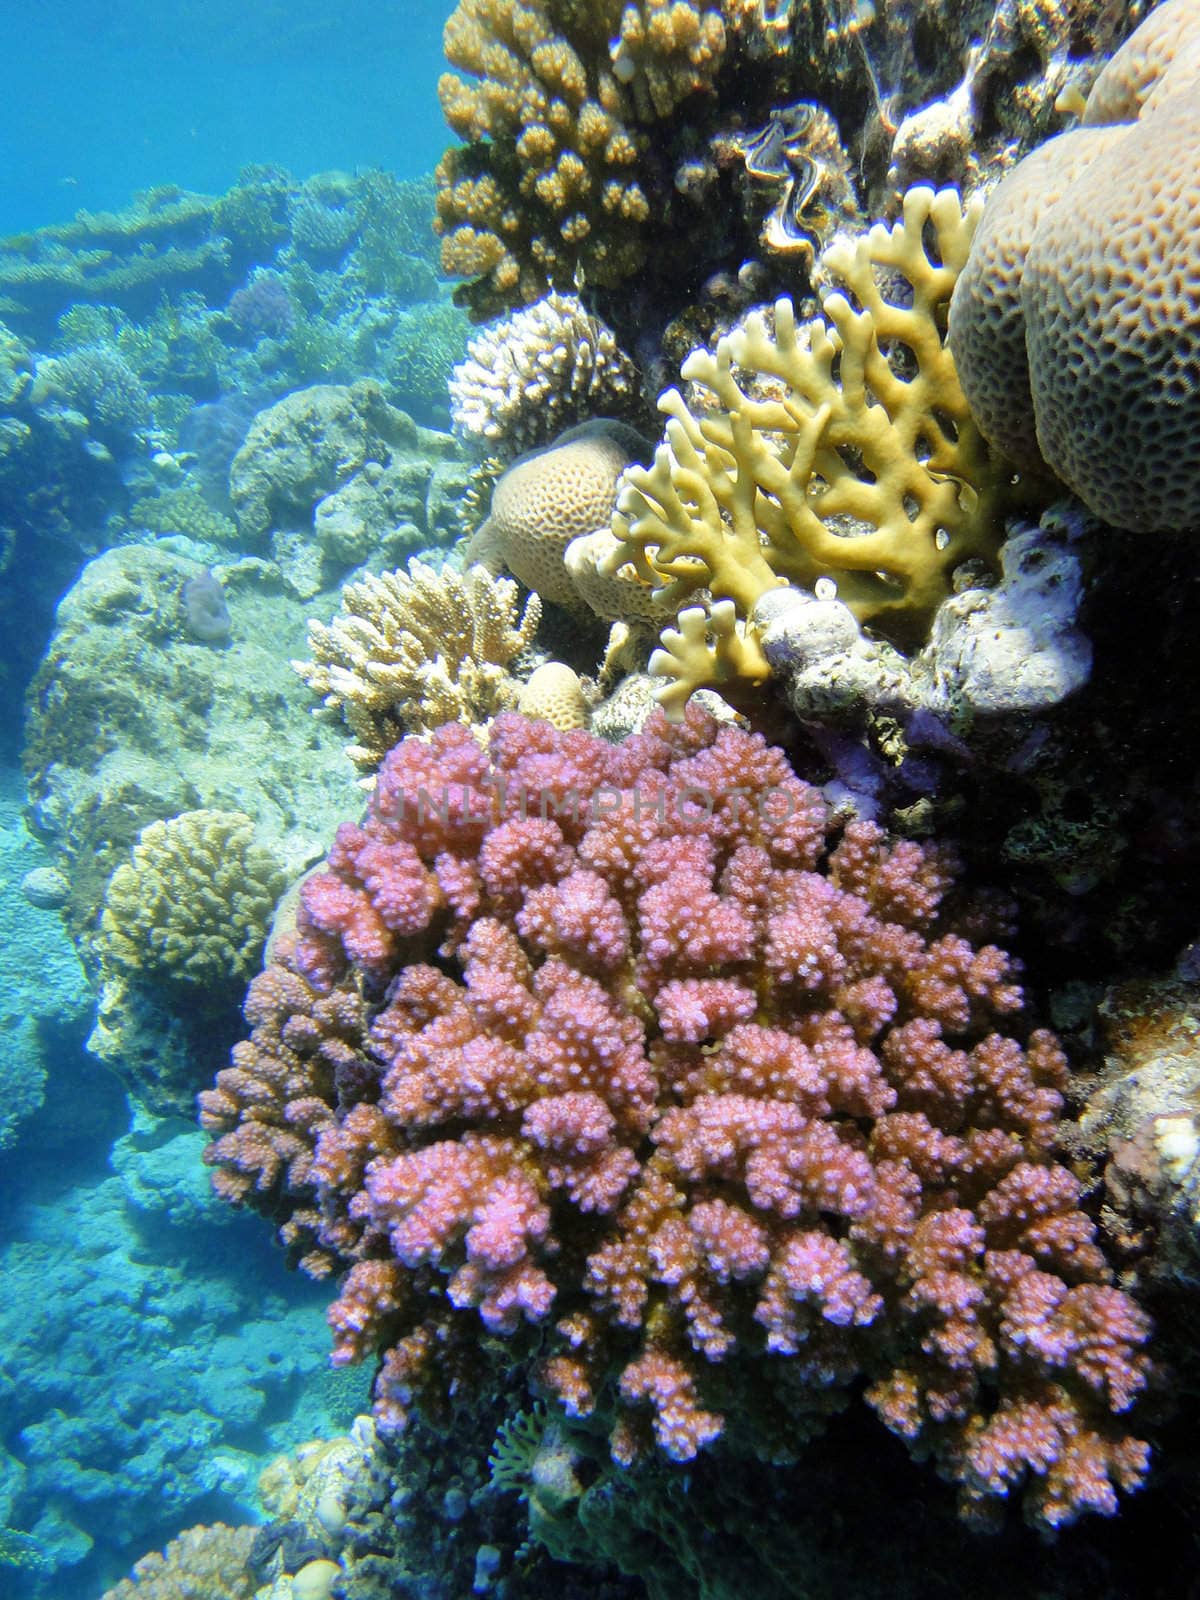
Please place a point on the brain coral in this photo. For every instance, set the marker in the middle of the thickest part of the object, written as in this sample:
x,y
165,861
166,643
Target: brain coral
x,y
987,322
625,1045
1111,295
1162,48
193,902
551,496
1079,298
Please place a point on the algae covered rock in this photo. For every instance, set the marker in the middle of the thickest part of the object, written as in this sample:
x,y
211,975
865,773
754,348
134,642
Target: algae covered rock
x,y
333,474
132,720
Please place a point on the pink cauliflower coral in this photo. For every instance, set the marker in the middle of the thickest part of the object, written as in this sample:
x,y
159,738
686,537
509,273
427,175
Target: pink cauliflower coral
x,y
645,1059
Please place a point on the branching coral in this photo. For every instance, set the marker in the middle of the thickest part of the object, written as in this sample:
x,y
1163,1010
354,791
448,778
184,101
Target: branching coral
x,y
721,1105
193,902
418,648
530,376
548,180
841,450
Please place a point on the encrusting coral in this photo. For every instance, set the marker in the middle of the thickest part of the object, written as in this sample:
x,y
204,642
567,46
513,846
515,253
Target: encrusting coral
x,y
531,375
841,450
193,903
416,648
723,1105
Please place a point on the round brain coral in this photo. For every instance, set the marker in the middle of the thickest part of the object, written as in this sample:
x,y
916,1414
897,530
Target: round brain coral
x,y
628,1047
1111,295
1075,325
551,496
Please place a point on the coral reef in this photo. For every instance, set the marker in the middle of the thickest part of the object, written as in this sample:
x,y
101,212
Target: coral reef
x,y
98,382
199,1564
693,1107
815,458
331,476
185,510
132,721
548,180
1074,317
530,376
155,334
44,999
650,151
1140,1121
413,649
1013,648
183,1356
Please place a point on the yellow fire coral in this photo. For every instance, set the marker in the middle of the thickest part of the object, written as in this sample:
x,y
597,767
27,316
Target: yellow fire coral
x,y
842,450
548,179
415,649
192,903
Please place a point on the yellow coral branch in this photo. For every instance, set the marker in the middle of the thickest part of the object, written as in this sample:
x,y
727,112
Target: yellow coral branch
x,y
842,449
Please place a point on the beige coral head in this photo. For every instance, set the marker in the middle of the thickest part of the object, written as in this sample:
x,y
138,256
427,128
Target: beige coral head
x,y
554,694
1160,54
1112,313
315,1580
987,323
192,903
551,496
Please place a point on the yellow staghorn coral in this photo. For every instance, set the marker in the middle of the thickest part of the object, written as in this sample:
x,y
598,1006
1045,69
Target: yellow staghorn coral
x,y
414,649
547,182
192,903
842,450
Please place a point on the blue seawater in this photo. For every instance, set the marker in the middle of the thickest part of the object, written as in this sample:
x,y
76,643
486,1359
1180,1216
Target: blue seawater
x,y
106,97
155,1352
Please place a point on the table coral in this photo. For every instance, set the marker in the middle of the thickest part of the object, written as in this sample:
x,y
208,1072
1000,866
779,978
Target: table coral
x,y
414,649
697,1090
842,450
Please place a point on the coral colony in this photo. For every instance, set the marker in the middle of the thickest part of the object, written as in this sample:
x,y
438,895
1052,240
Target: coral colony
x,y
772,617
693,1080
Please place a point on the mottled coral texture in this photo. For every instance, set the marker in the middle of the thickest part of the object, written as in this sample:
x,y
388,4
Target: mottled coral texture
x,y
625,1043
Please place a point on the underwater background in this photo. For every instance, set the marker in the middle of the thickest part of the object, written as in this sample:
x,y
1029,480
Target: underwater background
x,y
107,99
599,800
